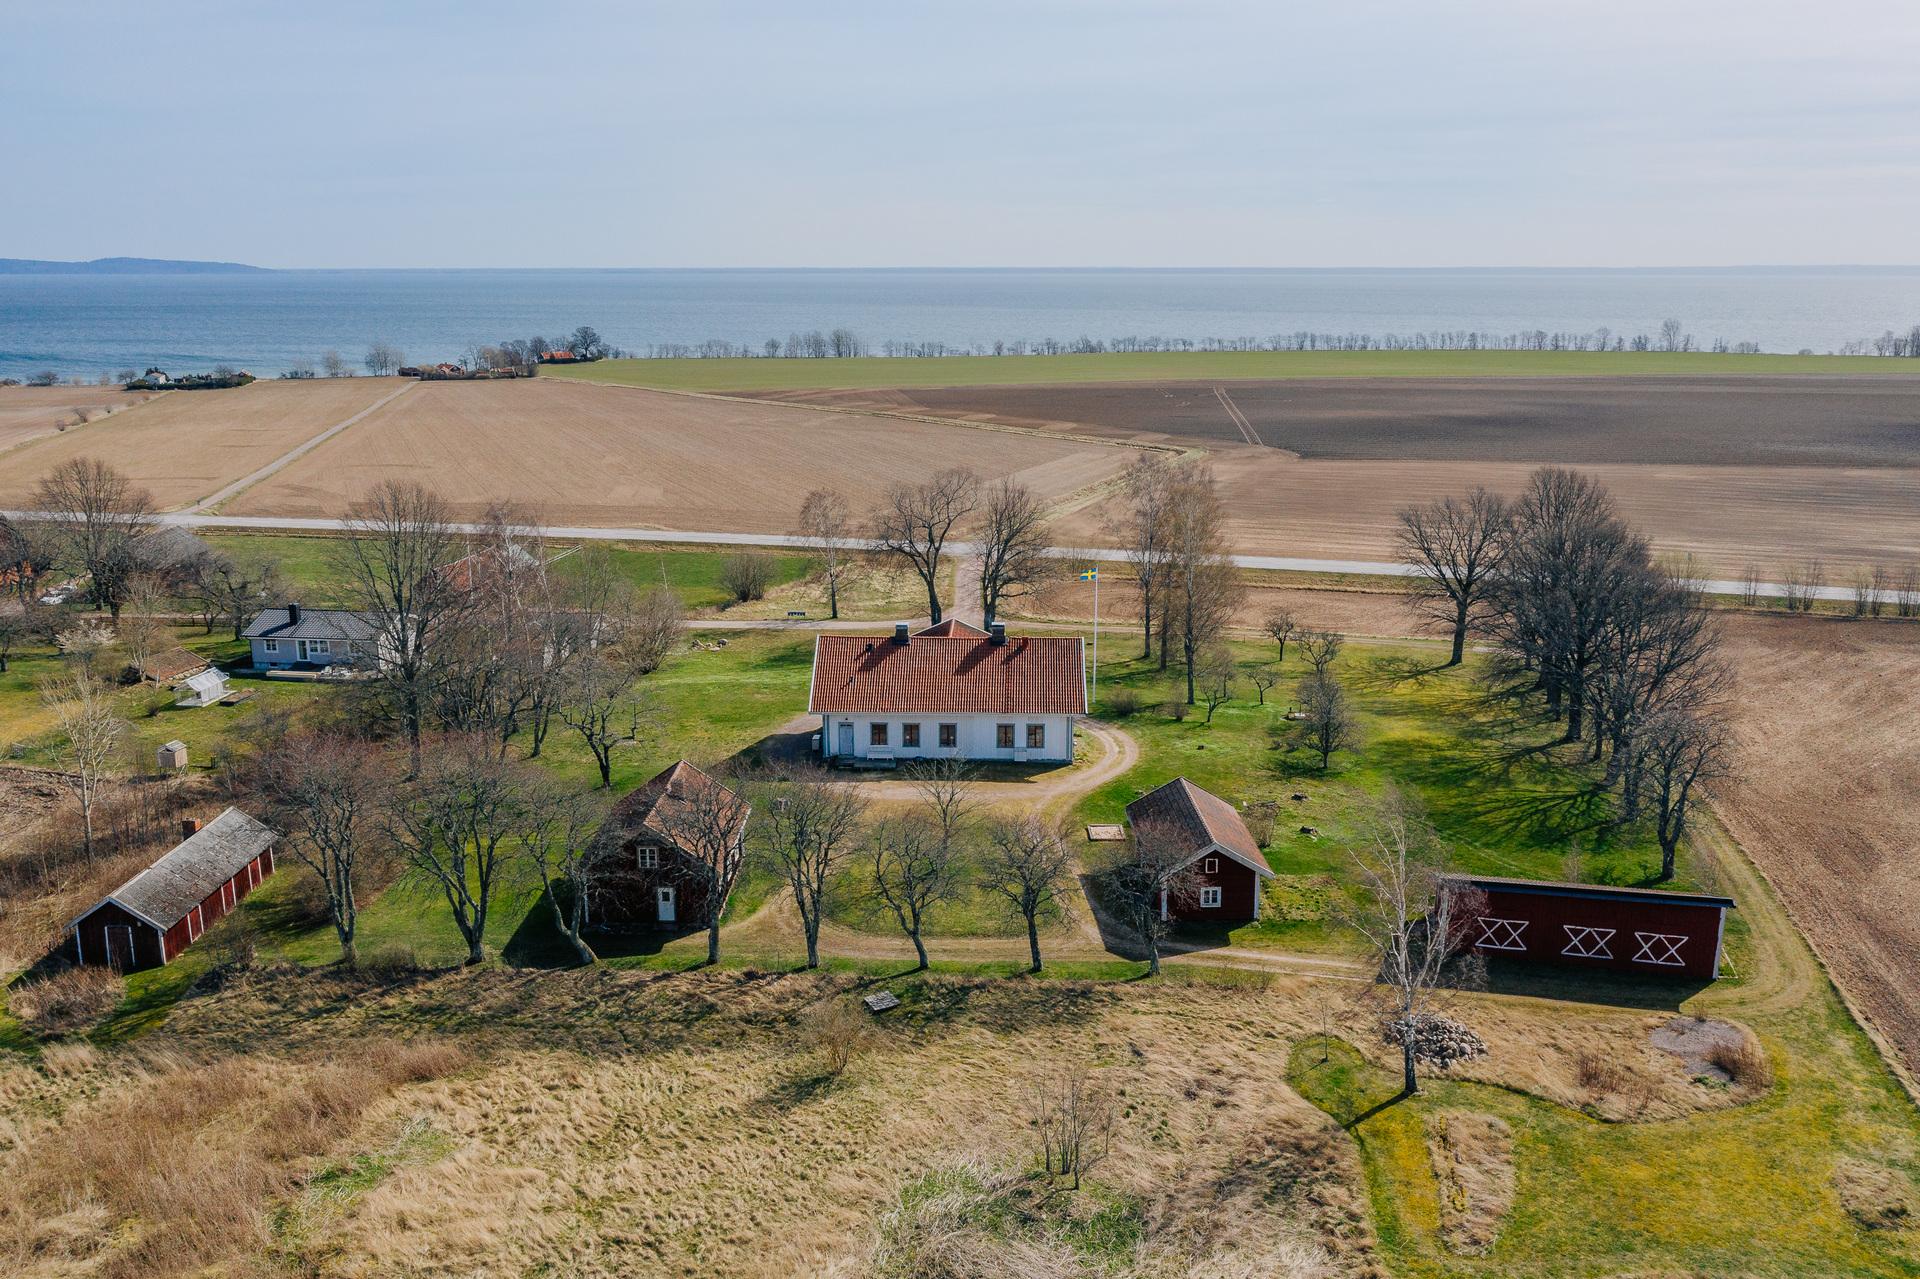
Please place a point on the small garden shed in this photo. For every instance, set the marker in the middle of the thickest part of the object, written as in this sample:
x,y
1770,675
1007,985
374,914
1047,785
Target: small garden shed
x,y
1221,862
150,919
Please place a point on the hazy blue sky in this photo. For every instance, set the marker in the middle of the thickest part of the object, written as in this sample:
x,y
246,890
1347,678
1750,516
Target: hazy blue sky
x,y
964,133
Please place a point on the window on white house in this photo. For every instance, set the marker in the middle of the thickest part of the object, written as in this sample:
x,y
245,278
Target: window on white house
x,y
649,858
1003,736
1210,866
317,647
1210,898
949,735
876,734
270,646
910,735
1036,737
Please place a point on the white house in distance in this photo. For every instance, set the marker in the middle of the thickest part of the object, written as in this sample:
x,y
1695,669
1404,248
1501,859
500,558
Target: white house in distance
x,y
951,691
294,637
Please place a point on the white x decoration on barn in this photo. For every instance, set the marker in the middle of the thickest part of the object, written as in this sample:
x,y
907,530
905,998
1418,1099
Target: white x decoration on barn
x,y
1587,943
1500,934
1659,948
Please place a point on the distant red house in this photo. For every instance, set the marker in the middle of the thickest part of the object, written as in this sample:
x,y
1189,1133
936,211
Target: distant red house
x,y
558,357
653,845
1222,861
1629,930
150,919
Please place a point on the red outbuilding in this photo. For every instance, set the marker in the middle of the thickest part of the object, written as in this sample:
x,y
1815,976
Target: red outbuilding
x,y
1628,930
1220,861
659,848
151,918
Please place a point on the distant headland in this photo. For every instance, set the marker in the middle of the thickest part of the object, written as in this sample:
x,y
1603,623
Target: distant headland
x,y
124,266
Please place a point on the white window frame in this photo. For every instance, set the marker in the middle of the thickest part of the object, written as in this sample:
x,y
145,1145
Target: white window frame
x,y
270,646
1210,866
1210,898
1670,944
1501,934
1584,941
323,648
648,857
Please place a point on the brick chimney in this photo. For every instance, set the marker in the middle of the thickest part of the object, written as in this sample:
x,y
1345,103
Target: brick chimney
x,y
189,827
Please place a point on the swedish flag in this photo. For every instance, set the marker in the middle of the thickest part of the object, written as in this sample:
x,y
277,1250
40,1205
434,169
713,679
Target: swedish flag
x,y
1091,575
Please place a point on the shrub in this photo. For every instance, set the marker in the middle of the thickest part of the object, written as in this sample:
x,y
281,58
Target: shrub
x,y
837,1031
1600,1073
394,960
746,576
68,1001
1261,816
1177,709
1745,1062
1123,701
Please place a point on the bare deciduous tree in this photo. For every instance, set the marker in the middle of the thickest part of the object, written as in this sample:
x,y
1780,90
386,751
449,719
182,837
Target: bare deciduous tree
x,y
558,829
916,520
602,705
707,822
382,359
1074,1113
1683,749
397,537
91,731
459,826
911,870
1013,545
1281,625
1139,520
1326,724
1454,546
745,576
98,515
1028,864
808,823
229,590
1201,589
1321,649
326,790
333,365
1156,876
1411,915
1216,674
1263,678
826,522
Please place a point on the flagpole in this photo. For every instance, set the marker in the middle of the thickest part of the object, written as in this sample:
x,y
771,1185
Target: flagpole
x,y
1096,637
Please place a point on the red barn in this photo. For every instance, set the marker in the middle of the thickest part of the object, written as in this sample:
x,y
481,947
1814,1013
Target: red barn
x,y
655,846
1627,930
151,918
1222,861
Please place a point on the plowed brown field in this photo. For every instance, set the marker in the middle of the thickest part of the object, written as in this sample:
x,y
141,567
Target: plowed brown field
x,y
184,445
27,412
619,457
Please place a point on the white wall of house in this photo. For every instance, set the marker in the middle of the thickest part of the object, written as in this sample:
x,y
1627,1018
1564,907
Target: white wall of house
x,y
975,737
270,654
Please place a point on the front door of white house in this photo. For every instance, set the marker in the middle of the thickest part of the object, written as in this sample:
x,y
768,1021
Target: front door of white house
x,y
846,740
300,647
665,892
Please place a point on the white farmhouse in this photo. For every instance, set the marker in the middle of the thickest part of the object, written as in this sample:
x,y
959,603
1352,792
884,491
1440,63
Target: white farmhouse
x,y
951,691
295,637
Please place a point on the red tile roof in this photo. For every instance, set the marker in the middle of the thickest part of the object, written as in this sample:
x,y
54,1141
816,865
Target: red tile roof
x,y
1199,816
951,668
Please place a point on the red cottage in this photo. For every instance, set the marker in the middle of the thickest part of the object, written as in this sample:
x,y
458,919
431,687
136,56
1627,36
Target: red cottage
x,y
151,918
1226,865
1628,930
654,844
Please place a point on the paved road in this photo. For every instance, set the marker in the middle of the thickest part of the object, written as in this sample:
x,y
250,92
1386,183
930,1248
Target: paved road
x,y
1283,563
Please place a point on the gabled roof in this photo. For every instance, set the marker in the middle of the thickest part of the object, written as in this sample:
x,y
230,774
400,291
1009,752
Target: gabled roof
x,y
1594,892
164,892
952,669
663,808
172,664
314,623
1201,819
167,549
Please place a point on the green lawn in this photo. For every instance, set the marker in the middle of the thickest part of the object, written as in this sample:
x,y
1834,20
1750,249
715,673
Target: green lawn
x,y
761,374
1506,799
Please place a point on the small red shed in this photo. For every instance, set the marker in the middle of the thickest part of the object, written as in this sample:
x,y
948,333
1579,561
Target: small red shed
x,y
1630,930
1222,865
151,918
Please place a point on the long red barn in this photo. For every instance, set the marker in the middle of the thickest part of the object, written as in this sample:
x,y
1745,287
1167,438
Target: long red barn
x,y
150,919
1632,930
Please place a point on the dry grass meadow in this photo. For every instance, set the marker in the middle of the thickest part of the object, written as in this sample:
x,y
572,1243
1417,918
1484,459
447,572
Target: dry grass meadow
x,y
184,445
610,456
29,412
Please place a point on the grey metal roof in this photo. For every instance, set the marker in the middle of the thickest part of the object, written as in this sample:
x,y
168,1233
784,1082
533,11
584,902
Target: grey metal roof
x,y
168,548
164,892
315,623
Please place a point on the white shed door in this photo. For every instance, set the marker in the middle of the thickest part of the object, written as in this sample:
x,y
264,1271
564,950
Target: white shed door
x,y
666,903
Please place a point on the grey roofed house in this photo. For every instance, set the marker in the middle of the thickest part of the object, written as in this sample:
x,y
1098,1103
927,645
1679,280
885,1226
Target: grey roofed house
x,y
296,621
1201,818
168,549
164,892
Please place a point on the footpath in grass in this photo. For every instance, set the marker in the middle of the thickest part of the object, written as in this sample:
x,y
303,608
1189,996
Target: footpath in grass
x,y
1015,370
